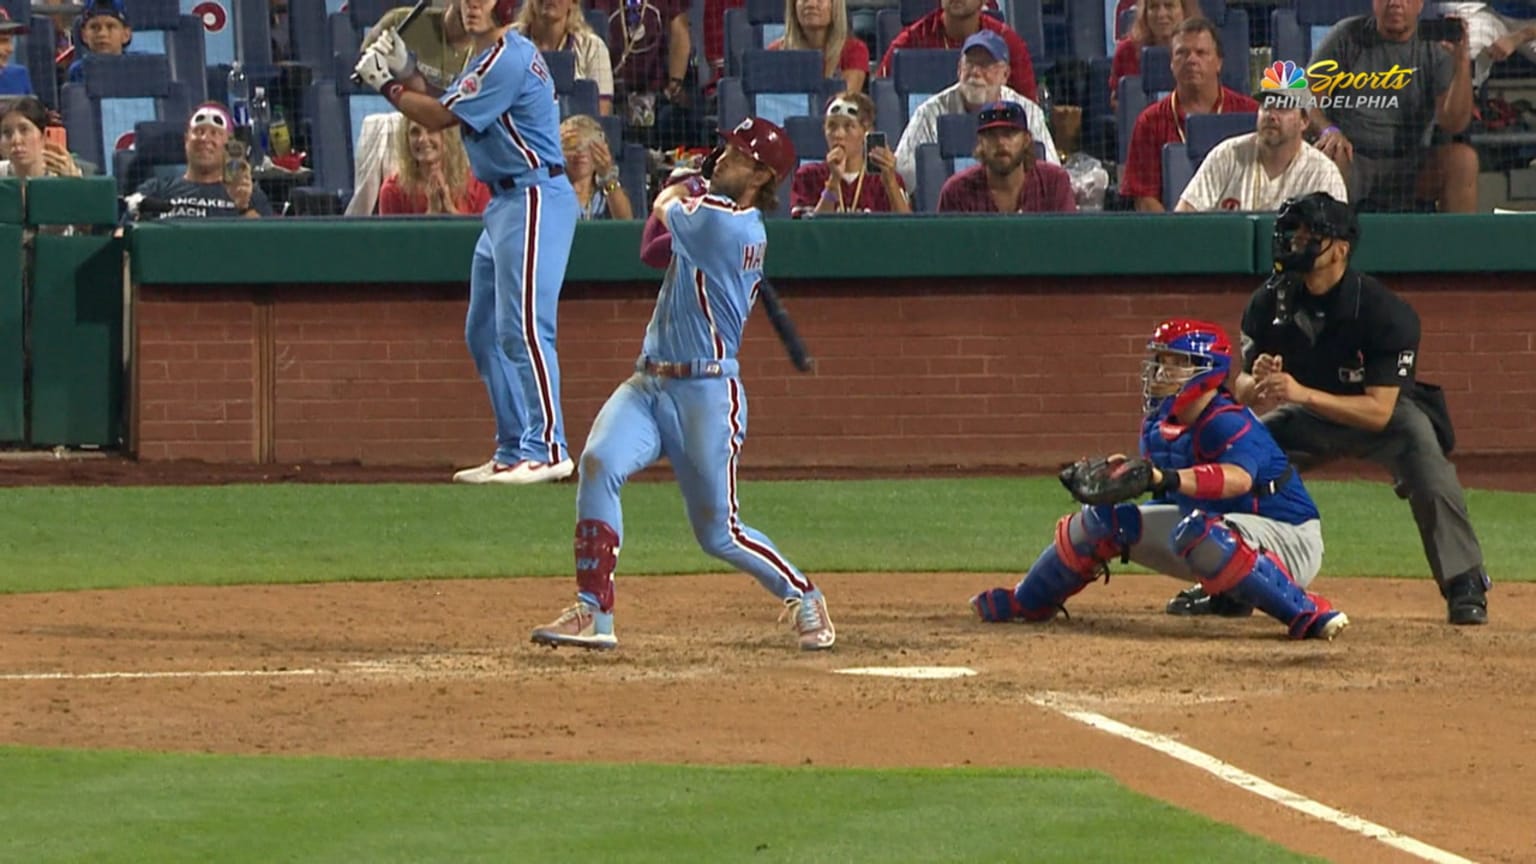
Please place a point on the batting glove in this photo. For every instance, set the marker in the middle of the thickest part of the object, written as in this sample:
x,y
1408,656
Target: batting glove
x,y
373,69
402,63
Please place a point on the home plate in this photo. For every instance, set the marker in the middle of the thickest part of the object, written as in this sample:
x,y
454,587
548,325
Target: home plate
x,y
922,672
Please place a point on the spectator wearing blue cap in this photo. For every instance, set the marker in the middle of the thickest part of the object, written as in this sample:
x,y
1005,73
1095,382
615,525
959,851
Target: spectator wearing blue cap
x,y
1008,178
104,30
14,80
983,75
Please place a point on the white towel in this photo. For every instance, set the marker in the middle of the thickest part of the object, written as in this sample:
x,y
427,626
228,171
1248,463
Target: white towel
x,y
374,160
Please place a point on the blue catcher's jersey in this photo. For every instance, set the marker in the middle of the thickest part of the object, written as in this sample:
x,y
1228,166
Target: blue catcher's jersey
x,y
1231,434
708,292
511,117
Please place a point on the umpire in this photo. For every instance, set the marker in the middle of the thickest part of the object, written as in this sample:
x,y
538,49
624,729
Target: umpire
x,y
1333,353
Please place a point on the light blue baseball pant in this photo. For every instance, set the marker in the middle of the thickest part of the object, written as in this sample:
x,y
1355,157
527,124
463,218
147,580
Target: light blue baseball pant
x,y
514,295
699,424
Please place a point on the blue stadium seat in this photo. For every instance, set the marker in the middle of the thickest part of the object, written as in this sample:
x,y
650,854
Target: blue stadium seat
x,y
219,29
1216,10
806,134
767,20
1028,20
613,129
1123,26
1288,41
582,99
562,69
780,84
921,72
1156,72
932,171
158,150
598,21
36,51
632,176
1132,101
957,138
1296,31
159,27
911,10
1098,117
366,13
1234,46
117,93
309,37
338,108
890,111
738,38
1178,170
887,28
1203,132
345,39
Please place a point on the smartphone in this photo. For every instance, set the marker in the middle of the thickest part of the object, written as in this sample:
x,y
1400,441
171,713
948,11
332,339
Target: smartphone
x,y
872,141
56,135
1442,29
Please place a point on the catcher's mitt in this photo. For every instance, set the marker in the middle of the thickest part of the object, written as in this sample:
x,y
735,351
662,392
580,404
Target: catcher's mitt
x,y
1104,481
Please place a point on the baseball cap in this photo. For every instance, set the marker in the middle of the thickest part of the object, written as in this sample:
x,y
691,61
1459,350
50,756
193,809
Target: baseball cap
x,y
989,41
9,27
1002,115
211,114
113,8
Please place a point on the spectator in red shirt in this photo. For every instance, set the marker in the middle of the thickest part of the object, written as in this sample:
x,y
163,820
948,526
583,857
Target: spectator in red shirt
x,y
432,175
849,181
1196,90
822,25
949,25
650,47
1154,25
1009,178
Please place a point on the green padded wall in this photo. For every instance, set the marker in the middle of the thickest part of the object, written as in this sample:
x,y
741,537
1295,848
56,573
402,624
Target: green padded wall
x,y
77,341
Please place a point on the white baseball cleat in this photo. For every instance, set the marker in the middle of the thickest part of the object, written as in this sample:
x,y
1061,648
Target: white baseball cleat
x,y
808,616
477,474
1334,626
527,473
581,626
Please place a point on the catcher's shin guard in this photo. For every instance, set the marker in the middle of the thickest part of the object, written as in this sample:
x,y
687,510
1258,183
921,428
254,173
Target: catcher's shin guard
x,y
1085,542
597,555
1226,564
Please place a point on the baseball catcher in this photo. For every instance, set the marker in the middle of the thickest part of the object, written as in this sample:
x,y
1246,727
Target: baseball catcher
x,y
1227,510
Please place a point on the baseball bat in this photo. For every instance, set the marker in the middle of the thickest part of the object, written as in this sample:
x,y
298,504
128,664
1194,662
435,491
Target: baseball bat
x,y
408,20
785,327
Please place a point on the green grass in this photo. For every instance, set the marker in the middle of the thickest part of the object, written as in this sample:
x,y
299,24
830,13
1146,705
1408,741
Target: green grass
x,y
55,538
134,807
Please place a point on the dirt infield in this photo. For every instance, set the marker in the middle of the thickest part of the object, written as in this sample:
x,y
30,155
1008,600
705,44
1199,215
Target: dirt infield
x,y
1405,721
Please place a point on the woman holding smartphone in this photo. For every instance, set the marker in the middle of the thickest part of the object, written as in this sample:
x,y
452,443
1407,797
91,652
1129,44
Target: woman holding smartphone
x,y
859,175
27,147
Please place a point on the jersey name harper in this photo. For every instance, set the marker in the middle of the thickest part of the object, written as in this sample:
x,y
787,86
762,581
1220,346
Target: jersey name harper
x,y
752,257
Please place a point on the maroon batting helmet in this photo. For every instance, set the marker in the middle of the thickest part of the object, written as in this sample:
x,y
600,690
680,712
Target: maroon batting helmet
x,y
505,12
765,142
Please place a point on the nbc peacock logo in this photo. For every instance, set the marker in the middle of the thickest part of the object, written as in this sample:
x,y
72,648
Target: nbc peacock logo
x,y
1324,84
1284,75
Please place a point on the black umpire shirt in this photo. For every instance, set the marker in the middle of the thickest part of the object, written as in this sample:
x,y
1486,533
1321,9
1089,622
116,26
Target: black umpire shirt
x,y
1358,335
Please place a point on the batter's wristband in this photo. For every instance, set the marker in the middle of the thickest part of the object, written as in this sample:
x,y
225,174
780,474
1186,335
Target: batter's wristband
x,y
1326,130
1209,481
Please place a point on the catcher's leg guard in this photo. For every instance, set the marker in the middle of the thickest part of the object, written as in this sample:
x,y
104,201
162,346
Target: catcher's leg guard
x,y
1226,564
1085,542
597,555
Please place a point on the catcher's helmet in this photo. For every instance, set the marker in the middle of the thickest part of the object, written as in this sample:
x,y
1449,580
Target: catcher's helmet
x,y
1324,217
1208,353
765,142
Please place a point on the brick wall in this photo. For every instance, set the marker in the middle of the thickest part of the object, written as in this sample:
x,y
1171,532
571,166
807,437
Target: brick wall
x,y
1024,372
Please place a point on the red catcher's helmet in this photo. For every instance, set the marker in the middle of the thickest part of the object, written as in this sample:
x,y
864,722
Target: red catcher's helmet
x,y
1209,354
765,142
505,12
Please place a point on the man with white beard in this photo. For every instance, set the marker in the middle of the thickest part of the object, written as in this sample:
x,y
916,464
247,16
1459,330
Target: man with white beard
x,y
983,75
1261,170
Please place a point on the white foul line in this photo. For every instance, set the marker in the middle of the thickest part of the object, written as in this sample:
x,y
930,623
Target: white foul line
x,y
214,673
1257,785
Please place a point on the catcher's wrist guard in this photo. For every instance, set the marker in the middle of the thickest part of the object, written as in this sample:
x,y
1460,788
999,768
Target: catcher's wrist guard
x,y
1168,484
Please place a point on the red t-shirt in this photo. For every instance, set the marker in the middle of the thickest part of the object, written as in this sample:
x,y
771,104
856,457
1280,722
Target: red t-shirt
x,y
866,194
714,35
1160,124
644,71
855,53
395,201
1127,62
1047,189
928,32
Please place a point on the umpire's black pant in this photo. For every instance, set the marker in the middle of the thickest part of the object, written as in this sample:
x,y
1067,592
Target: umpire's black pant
x,y
1420,472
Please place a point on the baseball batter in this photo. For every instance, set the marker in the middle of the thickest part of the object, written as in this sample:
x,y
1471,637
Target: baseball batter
x,y
505,100
686,401
1230,510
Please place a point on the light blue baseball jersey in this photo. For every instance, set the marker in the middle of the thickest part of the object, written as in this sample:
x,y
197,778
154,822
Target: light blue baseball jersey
x,y
717,263
511,115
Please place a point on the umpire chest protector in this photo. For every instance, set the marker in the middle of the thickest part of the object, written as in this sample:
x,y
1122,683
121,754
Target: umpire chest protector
x,y
1357,335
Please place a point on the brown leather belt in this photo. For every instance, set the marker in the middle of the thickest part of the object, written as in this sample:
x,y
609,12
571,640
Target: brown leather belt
x,y
664,369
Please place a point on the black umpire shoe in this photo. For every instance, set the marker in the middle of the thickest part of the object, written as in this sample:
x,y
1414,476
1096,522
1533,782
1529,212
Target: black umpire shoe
x,y
1466,598
1194,601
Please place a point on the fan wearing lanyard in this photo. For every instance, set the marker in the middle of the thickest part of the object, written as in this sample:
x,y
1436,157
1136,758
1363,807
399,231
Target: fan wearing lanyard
x,y
861,173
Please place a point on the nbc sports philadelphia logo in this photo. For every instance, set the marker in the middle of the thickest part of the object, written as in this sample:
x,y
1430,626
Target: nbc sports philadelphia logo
x,y
1325,85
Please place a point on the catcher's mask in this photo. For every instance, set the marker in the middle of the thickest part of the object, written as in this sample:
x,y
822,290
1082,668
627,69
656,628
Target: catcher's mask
x,y
1187,360
1324,217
